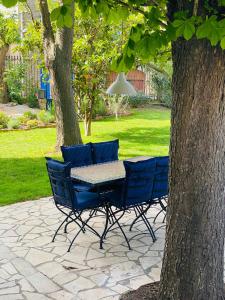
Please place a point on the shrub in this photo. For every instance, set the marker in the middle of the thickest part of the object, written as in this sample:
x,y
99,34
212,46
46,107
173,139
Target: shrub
x,y
162,86
100,108
3,120
46,117
32,123
28,115
14,123
139,100
14,77
32,99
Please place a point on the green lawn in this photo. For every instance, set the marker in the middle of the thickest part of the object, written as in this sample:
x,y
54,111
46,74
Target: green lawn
x,y
22,171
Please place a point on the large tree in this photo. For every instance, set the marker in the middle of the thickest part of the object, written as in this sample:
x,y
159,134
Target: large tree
x,y
58,57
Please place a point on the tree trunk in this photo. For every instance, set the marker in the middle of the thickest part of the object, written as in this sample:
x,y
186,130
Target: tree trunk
x,y
193,260
3,86
87,126
58,57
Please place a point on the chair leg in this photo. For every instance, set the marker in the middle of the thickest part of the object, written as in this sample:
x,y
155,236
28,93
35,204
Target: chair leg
x,y
112,223
84,224
135,220
106,226
65,220
145,220
121,229
73,220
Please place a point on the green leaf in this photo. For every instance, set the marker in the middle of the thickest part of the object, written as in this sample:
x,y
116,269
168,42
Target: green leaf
x,y
222,43
210,29
9,3
55,13
68,20
129,61
189,30
63,10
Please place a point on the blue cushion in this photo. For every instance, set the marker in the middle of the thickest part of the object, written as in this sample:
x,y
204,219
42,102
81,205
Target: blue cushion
x,y
138,184
105,151
85,200
82,187
78,155
62,188
161,184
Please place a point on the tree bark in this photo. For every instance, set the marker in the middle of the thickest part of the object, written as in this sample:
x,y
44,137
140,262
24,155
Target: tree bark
x,y
3,86
58,57
193,260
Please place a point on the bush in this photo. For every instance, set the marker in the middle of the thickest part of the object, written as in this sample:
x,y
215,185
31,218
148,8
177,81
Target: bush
x,y
14,123
100,109
28,115
14,78
32,123
163,88
3,120
46,117
139,100
32,99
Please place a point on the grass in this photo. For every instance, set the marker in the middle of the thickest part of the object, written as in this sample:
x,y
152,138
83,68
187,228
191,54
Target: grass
x,y
22,165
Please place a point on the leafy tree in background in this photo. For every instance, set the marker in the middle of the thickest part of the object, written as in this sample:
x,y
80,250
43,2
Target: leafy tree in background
x,y
193,261
96,42
9,34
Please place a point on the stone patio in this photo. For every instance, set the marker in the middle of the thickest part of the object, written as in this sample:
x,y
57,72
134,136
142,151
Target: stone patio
x,y
32,267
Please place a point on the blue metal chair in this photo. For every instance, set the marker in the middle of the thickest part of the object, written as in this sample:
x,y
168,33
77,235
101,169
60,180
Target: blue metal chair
x,y
78,156
133,193
105,151
160,189
69,201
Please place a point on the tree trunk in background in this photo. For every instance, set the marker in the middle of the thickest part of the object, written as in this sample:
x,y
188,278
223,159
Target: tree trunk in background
x,y
3,86
193,260
58,57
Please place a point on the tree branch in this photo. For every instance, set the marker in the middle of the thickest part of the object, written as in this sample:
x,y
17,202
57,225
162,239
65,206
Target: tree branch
x,y
141,11
30,11
48,31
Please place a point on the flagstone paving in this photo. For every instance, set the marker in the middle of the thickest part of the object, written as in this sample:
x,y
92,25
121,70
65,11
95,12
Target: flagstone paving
x,y
32,267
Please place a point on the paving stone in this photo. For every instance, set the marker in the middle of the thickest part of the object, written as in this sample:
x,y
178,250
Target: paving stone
x,y
11,297
25,285
24,267
125,270
148,261
99,279
9,268
136,282
42,284
65,277
9,290
51,269
106,261
79,284
36,257
35,296
61,295
120,288
99,293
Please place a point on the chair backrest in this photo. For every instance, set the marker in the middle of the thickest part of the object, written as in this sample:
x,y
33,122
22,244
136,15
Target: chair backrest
x,y
105,151
138,182
161,184
78,155
61,184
